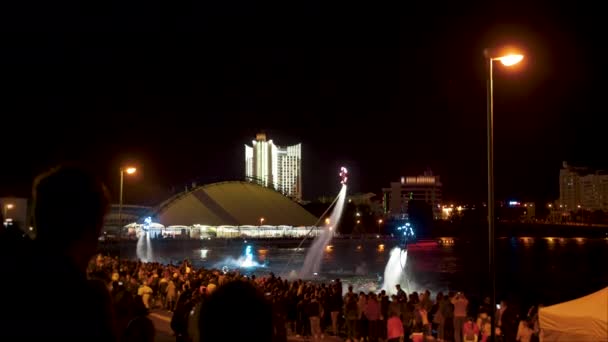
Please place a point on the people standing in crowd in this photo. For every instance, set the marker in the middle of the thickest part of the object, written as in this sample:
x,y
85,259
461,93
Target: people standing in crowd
x,y
525,331
171,295
394,328
485,326
470,331
145,292
362,319
351,313
335,304
507,321
460,303
384,305
372,312
438,319
314,311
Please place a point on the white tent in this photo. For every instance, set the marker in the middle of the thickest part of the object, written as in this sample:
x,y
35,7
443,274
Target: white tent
x,y
582,319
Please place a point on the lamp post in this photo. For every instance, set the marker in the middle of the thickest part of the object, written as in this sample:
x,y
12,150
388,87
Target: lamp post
x,y
129,171
379,225
261,223
7,207
508,59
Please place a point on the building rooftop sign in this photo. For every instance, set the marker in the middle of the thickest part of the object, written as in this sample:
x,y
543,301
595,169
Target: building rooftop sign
x,y
418,180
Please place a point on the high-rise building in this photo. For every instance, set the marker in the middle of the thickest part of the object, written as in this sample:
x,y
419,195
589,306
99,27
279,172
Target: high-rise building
x,y
425,188
274,166
582,188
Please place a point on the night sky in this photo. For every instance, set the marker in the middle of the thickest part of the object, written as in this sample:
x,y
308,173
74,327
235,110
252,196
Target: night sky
x,y
179,86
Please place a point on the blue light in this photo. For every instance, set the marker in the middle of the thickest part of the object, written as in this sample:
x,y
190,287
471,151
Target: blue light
x,y
148,220
407,224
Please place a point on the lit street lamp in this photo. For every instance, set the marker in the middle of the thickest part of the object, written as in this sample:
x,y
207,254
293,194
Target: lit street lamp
x,y
261,223
507,59
7,207
129,171
379,225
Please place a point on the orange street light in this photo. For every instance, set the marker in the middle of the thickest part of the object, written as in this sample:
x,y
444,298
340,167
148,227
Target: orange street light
x,y
129,170
7,207
507,59
327,221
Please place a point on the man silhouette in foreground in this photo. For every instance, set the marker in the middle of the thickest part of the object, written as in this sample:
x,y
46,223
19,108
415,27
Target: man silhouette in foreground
x,y
50,297
236,311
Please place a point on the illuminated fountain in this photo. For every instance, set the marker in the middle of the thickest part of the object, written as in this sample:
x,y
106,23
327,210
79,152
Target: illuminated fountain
x,y
312,261
394,272
247,259
244,261
144,247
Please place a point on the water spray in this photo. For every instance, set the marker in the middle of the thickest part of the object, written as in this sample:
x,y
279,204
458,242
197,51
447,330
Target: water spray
x,y
319,244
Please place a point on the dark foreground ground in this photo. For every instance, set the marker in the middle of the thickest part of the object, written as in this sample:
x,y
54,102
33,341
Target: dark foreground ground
x,y
162,318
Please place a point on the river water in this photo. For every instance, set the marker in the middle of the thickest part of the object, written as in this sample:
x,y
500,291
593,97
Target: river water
x,y
545,270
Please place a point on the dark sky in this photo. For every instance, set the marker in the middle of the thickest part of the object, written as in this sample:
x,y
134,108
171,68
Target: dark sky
x,y
388,90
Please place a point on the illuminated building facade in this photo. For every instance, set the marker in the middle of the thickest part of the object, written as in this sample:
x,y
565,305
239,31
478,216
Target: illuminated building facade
x,y
581,188
275,166
425,188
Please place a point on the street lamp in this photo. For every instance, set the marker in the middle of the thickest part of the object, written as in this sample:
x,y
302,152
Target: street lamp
x,y
7,207
379,225
129,170
261,223
507,59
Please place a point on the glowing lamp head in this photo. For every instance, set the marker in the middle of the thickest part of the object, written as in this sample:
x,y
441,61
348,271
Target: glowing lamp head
x,y
130,170
509,60
10,206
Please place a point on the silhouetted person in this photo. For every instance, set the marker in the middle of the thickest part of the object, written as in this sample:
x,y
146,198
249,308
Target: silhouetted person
x,y
236,311
140,328
56,301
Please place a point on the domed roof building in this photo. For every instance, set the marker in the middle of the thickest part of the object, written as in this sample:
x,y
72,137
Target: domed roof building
x,y
234,203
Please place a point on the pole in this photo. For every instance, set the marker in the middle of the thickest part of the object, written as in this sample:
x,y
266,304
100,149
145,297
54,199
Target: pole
x,y
491,220
120,203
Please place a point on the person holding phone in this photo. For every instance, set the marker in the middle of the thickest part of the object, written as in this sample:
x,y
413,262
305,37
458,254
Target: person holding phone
x,y
460,303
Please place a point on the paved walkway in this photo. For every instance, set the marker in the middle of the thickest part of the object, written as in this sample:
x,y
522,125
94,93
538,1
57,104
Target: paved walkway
x,y
162,320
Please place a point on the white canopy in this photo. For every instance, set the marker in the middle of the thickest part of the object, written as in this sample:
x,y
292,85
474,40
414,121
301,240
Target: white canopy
x,y
582,319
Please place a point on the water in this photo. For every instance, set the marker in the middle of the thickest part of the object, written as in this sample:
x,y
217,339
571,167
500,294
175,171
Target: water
x,y
394,272
542,270
144,247
244,262
312,261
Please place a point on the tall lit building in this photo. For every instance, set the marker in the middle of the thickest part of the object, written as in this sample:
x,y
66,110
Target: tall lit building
x,y
582,188
425,188
274,166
